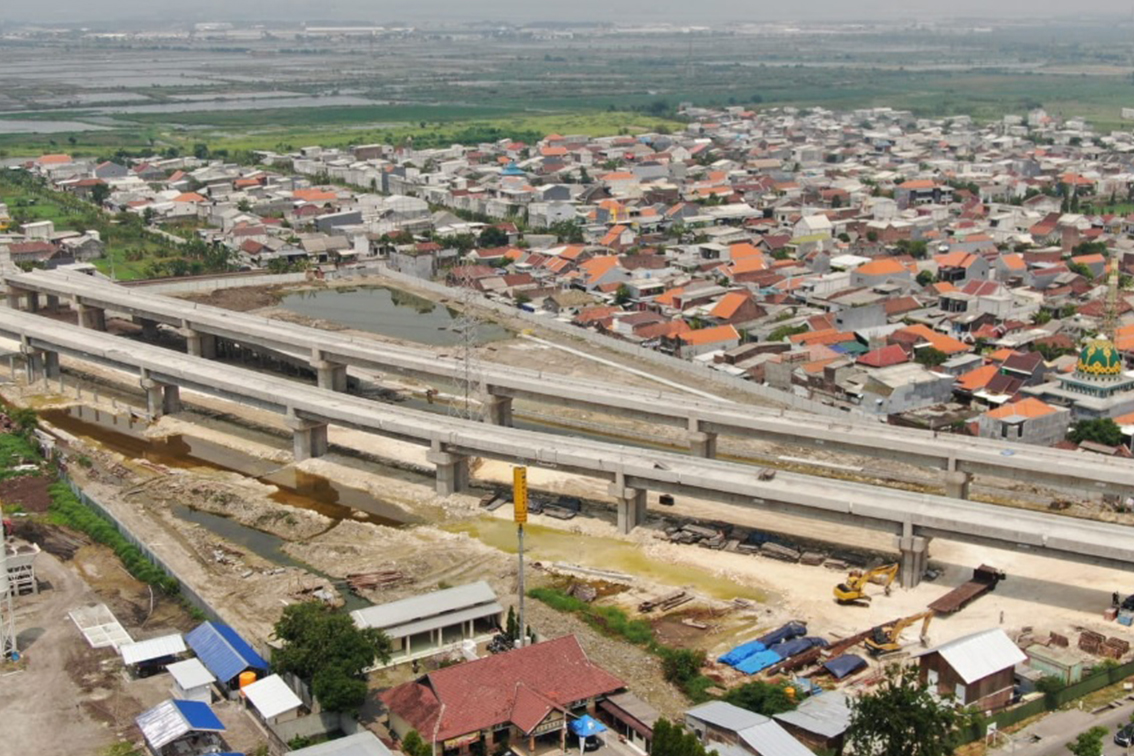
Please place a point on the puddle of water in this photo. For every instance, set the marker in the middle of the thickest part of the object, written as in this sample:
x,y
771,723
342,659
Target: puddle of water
x,y
123,434
389,312
550,545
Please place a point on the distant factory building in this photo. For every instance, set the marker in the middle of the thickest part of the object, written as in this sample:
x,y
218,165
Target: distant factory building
x,y
423,625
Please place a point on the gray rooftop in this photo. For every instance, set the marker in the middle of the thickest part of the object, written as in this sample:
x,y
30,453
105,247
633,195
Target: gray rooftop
x,y
726,716
430,611
827,715
360,744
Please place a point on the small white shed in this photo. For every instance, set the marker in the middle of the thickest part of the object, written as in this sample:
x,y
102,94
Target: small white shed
x,y
273,699
191,681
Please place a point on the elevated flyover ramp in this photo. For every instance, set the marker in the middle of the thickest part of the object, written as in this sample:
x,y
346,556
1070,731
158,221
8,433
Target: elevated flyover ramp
x,y
912,518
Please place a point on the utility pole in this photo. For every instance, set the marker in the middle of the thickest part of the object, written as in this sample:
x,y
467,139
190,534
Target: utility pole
x,y
520,514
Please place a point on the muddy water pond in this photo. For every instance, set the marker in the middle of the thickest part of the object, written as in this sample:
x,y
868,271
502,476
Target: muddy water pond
x,y
388,312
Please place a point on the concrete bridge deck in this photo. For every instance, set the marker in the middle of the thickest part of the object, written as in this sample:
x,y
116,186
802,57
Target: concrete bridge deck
x,y
911,517
329,354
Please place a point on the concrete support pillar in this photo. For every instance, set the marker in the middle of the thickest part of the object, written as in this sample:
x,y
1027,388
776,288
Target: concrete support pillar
x,y
51,365
14,297
498,410
702,444
308,437
52,302
452,471
93,318
171,399
957,484
914,559
199,344
33,363
33,301
332,375
631,504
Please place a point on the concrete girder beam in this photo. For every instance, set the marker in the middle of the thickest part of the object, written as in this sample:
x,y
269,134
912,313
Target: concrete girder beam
x,y
702,444
90,317
452,471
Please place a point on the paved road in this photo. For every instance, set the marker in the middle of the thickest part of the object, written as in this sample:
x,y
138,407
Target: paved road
x,y
1058,729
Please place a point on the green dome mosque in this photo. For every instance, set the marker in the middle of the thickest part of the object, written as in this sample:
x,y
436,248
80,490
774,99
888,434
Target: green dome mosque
x,y
1099,359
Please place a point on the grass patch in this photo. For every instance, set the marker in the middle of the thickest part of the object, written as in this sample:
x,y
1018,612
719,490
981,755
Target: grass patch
x,y
682,666
66,509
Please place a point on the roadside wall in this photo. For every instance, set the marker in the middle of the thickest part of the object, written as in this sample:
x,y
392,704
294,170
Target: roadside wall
x,y
695,371
213,282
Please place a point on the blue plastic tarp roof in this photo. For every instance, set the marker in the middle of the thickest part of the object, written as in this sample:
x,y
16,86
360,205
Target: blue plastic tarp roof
x,y
741,652
787,632
223,651
199,715
587,725
790,648
844,665
759,661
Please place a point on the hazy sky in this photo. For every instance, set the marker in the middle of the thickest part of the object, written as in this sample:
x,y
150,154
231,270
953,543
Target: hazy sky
x,y
627,11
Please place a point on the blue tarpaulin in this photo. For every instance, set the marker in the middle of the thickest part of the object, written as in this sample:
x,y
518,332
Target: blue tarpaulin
x,y
844,665
759,661
223,651
586,725
787,632
741,652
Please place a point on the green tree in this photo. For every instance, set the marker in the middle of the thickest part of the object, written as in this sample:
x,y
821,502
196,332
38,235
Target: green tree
x,y
925,278
1101,430
491,236
761,697
327,649
99,194
201,151
622,296
679,665
512,625
673,740
902,718
1089,743
931,357
872,236
785,331
568,231
414,745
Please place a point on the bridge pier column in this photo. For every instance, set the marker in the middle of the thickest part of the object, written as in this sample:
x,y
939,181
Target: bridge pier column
x,y
914,559
14,297
702,444
51,365
93,318
957,484
161,398
52,302
199,344
308,437
332,375
33,365
32,301
498,410
631,504
452,471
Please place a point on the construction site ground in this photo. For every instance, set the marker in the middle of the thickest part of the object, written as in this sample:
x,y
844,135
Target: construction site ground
x,y
62,693
451,541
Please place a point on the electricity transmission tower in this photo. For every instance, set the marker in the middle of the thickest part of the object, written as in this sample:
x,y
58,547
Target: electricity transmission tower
x,y
468,402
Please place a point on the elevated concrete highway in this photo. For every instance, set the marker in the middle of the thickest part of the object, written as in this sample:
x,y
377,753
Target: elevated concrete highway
x,y
329,354
912,518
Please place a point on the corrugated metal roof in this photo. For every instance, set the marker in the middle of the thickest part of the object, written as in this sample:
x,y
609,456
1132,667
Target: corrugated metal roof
x,y
826,714
190,673
153,648
360,744
726,716
430,611
772,739
271,696
979,655
223,651
171,719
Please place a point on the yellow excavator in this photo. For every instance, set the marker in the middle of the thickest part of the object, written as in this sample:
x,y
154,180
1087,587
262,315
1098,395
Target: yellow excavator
x,y
887,639
854,589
